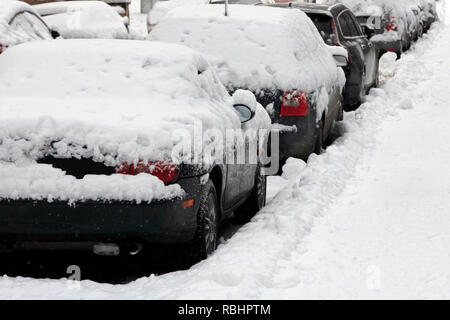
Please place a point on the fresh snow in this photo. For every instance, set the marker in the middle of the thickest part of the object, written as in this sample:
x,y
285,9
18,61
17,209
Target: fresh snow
x,y
366,219
8,10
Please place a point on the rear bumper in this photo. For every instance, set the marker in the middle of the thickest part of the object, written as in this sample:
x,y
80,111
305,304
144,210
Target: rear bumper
x,y
160,222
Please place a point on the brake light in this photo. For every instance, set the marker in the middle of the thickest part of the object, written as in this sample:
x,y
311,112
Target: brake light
x,y
391,26
165,171
294,104
3,48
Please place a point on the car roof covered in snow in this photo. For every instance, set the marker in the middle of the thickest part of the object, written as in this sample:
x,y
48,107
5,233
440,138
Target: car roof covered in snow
x,y
133,94
83,19
255,47
8,10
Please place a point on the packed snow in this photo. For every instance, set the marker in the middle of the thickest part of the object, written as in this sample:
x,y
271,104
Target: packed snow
x,y
83,20
114,101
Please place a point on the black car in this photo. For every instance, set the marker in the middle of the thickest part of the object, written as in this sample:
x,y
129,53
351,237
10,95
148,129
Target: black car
x,y
339,27
114,186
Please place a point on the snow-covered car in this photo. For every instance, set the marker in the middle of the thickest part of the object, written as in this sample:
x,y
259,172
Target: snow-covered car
x,y
383,21
276,53
429,12
19,23
84,20
338,26
117,143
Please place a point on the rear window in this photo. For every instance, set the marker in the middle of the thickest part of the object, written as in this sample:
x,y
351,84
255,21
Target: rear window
x,y
324,25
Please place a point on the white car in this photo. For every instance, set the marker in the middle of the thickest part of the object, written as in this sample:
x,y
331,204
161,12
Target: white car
x,y
121,143
84,20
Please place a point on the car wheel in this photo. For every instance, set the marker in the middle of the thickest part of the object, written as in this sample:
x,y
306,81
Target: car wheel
x,y
206,236
319,138
256,201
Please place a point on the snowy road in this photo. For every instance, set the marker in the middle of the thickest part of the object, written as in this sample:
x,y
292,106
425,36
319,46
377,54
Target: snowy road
x,y
369,218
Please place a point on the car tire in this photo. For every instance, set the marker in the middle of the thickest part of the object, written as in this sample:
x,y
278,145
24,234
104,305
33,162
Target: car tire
x,y
256,201
319,138
206,237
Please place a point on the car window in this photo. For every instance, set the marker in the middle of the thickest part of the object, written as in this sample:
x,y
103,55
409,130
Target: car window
x,y
353,25
30,25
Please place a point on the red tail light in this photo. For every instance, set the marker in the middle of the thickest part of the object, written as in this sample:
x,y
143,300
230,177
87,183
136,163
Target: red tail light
x,y
165,171
294,104
2,48
391,26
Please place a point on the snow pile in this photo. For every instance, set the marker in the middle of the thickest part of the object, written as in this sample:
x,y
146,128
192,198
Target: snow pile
x,y
113,101
29,180
8,10
83,19
257,48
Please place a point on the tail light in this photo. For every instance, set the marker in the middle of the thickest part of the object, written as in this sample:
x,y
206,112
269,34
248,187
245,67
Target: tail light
x,y
391,26
294,104
165,171
3,48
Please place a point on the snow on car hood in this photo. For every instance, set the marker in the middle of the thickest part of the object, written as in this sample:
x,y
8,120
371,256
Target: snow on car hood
x,y
254,47
111,100
83,20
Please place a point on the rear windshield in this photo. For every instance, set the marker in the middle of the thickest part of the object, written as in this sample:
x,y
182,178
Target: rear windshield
x,y
324,25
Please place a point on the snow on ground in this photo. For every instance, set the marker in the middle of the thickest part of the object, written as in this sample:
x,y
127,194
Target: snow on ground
x,y
367,219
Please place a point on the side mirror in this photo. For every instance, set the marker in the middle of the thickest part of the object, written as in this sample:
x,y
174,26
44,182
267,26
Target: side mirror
x,y
244,112
55,34
341,60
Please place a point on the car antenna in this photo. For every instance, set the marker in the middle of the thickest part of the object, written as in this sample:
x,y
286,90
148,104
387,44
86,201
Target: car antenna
x,y
226,8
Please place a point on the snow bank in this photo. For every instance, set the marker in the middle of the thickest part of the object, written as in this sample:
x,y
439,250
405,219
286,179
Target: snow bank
x,y
255,47
113,101
83,19
8,10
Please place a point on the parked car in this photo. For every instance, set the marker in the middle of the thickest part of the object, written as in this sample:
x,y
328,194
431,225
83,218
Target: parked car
x,y
81,165
84,19
338,27
19,23
419,20
276,53
384,22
